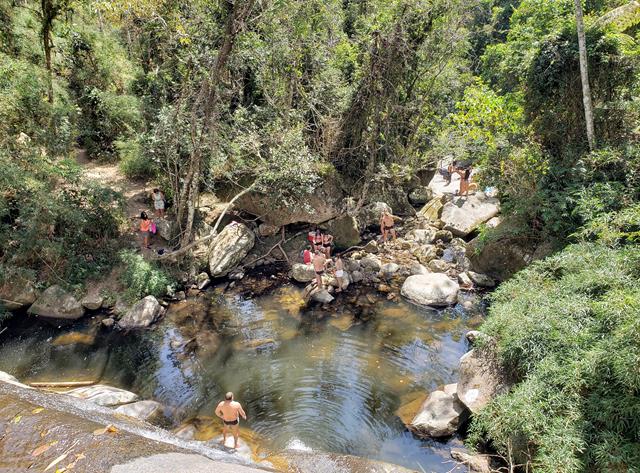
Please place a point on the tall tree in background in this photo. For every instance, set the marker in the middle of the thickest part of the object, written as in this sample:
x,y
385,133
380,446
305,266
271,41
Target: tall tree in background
x,y
584,74
49,11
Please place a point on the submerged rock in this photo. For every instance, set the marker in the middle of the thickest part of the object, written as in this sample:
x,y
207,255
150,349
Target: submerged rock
x,y
431,289
464,215
142,314
74,338
103,395
148,411
441,414
229,247
56,303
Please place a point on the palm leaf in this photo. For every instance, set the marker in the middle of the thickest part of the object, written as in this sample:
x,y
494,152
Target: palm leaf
x,y
622,18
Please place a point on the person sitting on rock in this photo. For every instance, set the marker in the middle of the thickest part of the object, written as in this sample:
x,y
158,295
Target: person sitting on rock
x,y
307,255
387,223
319,264
327,241
339,264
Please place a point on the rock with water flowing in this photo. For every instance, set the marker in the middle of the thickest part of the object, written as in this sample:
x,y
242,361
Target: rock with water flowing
x,y
7,378
480,378
303,272
431,289
441,414
142,314
229,247
148,410
463,215
16,294
56,303
103,395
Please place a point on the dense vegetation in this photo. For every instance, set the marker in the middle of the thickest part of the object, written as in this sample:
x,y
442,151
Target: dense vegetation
x,y
280,95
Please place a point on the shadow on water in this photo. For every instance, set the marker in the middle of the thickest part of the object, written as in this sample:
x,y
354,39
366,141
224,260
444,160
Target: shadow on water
x,y
309,379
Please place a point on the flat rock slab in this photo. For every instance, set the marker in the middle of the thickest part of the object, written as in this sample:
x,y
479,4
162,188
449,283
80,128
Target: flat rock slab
x,y
149,411
465,214
179,463
103,395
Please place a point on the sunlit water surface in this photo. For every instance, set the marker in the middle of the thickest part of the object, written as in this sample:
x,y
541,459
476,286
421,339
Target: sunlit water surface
x,y
309,379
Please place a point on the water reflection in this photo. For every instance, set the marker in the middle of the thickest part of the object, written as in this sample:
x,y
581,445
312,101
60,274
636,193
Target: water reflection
x,y
314,379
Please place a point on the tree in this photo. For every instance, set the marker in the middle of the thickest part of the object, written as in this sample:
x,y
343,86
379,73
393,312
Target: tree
x,y
49,11
584,74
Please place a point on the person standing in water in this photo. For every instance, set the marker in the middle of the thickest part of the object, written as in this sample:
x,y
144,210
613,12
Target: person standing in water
x,y
230,411
158,202
319,263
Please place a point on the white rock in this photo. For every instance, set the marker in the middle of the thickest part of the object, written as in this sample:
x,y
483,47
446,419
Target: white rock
x,y
423,235
389,269
103,395
439,266
229,247
142,314
434,289
464,279
322,296
7,378
202,280
303,272
465,214
149,411
92,301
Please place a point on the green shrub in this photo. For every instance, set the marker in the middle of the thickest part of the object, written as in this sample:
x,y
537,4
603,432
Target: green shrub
x,y
143,278
568,332
133,162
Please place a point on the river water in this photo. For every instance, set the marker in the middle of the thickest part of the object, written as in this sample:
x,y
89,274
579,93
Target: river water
x,y
330,380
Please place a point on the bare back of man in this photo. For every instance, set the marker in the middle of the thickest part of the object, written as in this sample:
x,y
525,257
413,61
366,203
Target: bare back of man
x,y
230,412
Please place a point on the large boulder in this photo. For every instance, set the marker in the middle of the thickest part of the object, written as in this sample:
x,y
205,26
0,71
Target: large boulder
x,y
441,414
322,204
431,210
103,395
345,231
500,258
480,378
431,289
229,247
16,294
420,195
167,229
303,272
369,215
148,411
56,303
142,314
463,215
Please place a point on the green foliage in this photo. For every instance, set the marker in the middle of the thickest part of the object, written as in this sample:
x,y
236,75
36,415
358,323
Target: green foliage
x,y
133,162
142,277
568,331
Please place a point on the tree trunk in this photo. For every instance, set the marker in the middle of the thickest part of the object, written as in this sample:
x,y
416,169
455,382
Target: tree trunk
x,y
47,22
584,75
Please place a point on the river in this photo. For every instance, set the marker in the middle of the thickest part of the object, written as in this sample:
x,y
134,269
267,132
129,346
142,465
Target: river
x,y
326,379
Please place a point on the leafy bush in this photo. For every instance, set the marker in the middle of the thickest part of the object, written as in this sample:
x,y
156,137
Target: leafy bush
x,y
133,162
568,331
143,278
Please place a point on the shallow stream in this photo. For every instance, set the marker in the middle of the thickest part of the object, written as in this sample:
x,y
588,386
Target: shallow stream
x,y
309,379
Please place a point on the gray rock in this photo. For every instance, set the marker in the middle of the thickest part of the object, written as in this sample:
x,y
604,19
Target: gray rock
x,y
473,335
303,272
369,215
371,263
266,230
345,231
56,303
92,301
103,395
17,294
440,415
417,268
357,276
202,281
480,379
464,215
481,280
229,247
142,314
420,195
109,322
322,296
425,253
475,463
167,229
431,289
423,235
7,378
371,247
181,295
389,269
148,411
439,266
352,265
445,235
464,280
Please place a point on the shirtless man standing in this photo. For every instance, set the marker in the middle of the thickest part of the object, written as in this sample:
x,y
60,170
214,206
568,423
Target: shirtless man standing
x,y
230,411
387,221
319,263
